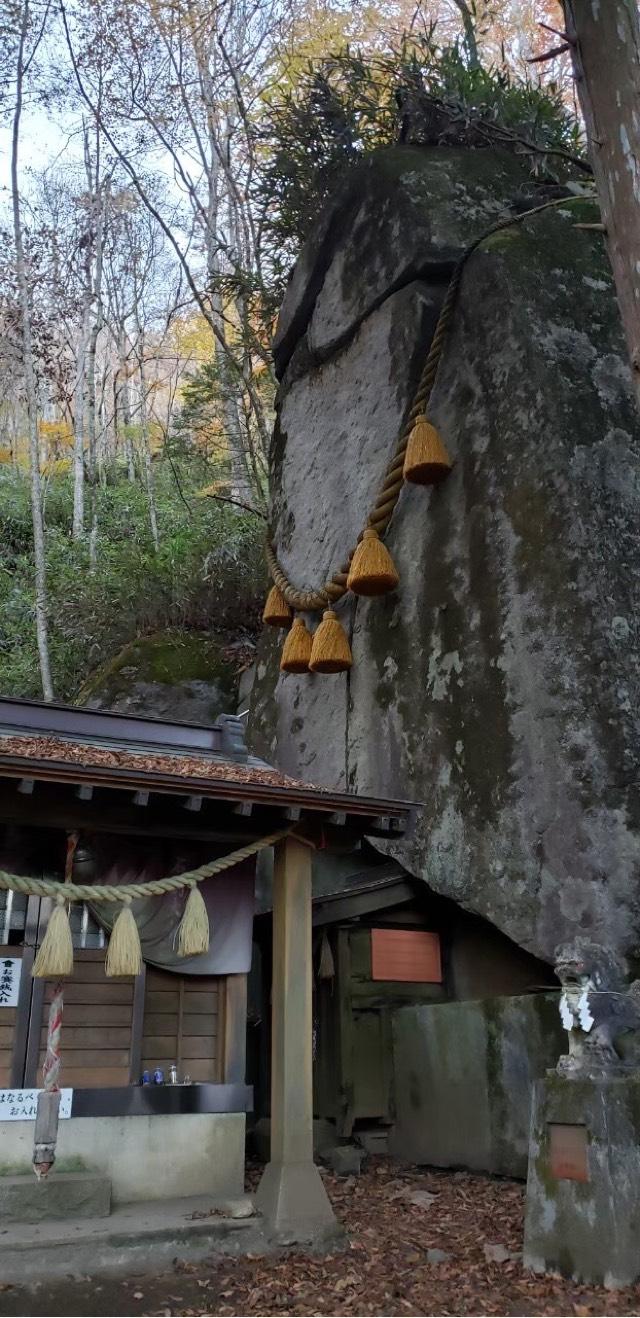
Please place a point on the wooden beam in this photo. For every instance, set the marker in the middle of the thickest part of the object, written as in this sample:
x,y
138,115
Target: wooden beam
x,y
345,1036
162,819
292,813
346,905
84,792
26,786
244,809
140,798
36,1015
19,1053
234,1054
291,1195
137,1026
382,824
193,803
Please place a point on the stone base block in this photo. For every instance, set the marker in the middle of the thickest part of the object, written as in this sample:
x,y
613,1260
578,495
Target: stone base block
x,y
345,1160
583,1189
62,1194
295,1206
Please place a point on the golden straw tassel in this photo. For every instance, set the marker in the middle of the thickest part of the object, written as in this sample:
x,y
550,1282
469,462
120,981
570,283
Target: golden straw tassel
x,y
330,652
296,651
276,610
372,570
426,460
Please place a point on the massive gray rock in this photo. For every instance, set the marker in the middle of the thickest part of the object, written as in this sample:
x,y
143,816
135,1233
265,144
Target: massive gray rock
x,y
499,685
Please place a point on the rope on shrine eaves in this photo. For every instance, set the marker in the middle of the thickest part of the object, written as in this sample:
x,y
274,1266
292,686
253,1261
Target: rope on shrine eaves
x,y
122,892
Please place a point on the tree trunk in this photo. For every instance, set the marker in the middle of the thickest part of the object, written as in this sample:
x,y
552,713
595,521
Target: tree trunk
x,y
127,442
79,408
30,380
470,39
146,450
229,388
605,36
92,433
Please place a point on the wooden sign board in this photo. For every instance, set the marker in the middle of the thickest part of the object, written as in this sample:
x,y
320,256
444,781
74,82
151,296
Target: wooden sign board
x,y
10,972
568,1152
406,955
22,1104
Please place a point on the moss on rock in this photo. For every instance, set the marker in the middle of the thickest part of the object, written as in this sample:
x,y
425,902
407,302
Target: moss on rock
x,y
180,675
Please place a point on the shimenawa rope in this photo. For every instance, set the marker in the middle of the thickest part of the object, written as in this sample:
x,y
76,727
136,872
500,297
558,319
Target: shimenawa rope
x,y
381,513
114,892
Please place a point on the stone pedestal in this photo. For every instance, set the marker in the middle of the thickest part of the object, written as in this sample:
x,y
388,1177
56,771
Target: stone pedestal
x,y
583,1188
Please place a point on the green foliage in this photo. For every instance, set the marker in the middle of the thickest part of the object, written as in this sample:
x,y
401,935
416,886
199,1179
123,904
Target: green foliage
x,y
347,105
208,575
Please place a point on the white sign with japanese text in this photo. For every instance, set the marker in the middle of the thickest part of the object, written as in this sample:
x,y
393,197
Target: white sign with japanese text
x,y
21,1104
10,971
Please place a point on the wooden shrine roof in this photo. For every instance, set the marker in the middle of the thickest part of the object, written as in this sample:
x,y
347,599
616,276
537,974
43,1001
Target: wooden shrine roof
x,y
88,754
170,767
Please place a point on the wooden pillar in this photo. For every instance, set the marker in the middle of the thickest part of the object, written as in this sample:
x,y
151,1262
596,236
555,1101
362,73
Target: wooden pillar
x,y
291,1195
233,1058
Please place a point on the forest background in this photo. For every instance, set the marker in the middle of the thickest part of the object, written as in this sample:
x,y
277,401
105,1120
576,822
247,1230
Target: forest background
x,y
161,163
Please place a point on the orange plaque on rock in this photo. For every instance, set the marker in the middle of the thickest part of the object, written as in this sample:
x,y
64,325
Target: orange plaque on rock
x,y
409,955
568,1152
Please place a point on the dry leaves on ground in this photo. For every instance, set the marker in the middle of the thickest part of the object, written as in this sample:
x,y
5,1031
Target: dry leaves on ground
x,y
458,1254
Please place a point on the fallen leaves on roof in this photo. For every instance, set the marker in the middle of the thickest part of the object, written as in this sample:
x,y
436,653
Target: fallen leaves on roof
x,y
86,754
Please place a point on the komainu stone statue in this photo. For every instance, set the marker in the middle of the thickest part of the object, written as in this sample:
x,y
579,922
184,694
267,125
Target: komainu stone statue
x,y
596,1006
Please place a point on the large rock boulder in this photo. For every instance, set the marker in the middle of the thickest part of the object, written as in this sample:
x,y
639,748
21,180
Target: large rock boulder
x,y
186,677
499,685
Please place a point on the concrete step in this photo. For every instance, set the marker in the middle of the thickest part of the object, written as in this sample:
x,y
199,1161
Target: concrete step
x,y
136,1238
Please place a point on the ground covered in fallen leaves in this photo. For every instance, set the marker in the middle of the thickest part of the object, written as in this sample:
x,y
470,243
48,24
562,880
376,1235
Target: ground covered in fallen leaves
x,y
420,1242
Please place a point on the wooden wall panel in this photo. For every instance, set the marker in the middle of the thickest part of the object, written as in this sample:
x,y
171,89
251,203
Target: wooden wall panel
x,y
7,1037
181,1025
96,1027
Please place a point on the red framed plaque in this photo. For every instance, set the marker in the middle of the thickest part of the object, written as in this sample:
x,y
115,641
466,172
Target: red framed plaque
x,y
568,1152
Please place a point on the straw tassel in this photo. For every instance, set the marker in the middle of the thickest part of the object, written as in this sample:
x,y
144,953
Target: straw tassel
x,y
296,651
193,934
326,967
426,460
124,954
372,570
276,610
331,652
55,956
